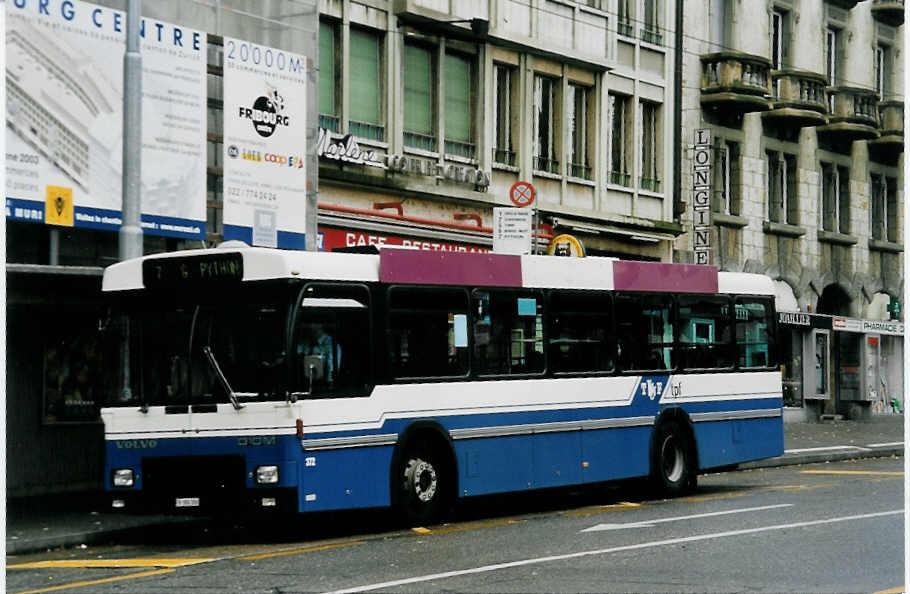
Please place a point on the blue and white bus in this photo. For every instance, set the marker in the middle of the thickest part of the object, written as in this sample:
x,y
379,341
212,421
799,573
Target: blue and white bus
x,y
322,381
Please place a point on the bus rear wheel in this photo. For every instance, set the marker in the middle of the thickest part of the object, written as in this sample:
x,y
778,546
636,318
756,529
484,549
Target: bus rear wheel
x,y
673,462
422,485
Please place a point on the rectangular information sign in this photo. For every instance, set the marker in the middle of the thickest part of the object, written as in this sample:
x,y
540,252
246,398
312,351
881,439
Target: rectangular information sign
x,y
264,145
512,230
64,115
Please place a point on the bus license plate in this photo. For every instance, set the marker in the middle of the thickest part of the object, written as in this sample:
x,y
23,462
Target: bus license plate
x,y
187,502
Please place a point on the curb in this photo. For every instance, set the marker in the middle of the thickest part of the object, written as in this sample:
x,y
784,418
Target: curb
x,y
821,457
19,547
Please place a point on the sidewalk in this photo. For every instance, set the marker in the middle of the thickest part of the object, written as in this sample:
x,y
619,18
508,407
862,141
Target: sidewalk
x,y
41,523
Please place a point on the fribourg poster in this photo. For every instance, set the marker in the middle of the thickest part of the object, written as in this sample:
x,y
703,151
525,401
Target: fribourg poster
x,y
264,145
64,115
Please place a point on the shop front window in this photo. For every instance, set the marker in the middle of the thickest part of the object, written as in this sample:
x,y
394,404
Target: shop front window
x,y
791,366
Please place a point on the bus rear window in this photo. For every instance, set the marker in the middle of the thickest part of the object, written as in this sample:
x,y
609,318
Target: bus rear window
x,y
704,332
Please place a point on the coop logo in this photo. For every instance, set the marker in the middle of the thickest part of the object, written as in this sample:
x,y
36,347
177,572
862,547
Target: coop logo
x,y
295,161
267,114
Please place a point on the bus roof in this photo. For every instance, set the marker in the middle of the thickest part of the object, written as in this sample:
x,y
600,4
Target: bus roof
x,y
405,266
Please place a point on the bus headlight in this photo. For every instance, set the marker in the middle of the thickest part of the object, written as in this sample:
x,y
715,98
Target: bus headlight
x,y
123,477
266,475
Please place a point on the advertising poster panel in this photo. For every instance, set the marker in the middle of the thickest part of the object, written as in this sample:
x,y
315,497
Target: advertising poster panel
x,y
264,145
64,115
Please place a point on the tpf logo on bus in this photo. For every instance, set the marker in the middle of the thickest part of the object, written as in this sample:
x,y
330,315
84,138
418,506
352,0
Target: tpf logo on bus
x,y
653,388
266,113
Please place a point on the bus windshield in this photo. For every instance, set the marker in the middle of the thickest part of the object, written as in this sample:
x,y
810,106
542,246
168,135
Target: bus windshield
x,y
246,333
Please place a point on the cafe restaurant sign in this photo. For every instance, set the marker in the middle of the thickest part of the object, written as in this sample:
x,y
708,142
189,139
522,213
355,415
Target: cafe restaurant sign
x,y
345,149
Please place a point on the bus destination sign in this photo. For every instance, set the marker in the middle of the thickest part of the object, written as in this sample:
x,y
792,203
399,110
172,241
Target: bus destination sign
x,y
170,272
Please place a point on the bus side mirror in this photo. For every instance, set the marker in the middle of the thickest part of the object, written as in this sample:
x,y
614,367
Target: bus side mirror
x,y
313,368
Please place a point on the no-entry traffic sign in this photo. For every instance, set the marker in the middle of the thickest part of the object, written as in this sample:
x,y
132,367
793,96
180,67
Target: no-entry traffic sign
x,y
522,193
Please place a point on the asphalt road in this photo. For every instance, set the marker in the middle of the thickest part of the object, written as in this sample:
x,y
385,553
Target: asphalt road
x,y
819,528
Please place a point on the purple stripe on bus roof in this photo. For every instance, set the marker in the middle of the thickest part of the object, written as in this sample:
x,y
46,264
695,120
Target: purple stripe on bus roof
x,y
449,268
663,276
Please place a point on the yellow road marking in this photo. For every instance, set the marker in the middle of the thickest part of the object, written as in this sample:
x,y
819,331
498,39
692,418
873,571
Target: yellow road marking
x,y
299,551
118,578
610,507
464,527
82,563
717,497
897,590
854,472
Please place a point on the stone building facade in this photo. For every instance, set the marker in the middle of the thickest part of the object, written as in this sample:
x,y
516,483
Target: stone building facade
x,y
803,103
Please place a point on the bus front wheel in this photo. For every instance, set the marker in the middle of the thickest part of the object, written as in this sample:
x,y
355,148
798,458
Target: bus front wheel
x,y
673,462
422,484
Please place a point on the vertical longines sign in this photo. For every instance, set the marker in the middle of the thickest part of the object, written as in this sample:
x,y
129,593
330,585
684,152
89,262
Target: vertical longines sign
x,y
264,145
64,118
701,200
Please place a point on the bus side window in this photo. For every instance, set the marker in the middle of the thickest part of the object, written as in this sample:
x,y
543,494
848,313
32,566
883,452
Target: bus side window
x,y
332,330
428,332
704,332
508,332
754,332
580,332
644,332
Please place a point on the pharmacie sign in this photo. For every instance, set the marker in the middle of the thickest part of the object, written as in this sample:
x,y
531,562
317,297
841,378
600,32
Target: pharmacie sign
x,y
840,323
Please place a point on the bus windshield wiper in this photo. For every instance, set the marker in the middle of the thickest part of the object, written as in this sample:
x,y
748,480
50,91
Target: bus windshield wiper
x,y
210,356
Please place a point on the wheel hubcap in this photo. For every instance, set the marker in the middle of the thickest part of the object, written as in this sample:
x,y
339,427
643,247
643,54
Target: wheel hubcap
x,y
420,479
672,458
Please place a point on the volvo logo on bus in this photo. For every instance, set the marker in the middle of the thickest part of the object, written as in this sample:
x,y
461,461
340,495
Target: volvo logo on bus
x,y
266,114
136,444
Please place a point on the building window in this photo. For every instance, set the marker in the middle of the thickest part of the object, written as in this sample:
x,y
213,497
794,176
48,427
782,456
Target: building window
x,y
419,104
328,77
458,104
650,30
882,68
503,79
545,109
726,172
619,140
780,39
884,208
783,206
719,20
365,118
650,132
624,18
578,132
835,198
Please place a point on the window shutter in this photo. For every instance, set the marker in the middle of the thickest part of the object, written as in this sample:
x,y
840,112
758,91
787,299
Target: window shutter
x,y
418,106
364,78
458,98
326,69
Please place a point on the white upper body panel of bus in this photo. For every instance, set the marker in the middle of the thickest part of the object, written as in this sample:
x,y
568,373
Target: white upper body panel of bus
x,y
459,268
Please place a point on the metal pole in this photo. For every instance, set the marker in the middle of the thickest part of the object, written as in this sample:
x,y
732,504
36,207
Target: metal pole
x,y
312,135
130,228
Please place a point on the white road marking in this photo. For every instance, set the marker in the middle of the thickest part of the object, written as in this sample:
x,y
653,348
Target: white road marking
x,y
841,447
651,523
644,545
886,445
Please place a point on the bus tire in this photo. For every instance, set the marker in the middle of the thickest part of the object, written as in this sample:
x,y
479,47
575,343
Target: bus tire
x,y
423,484
673,461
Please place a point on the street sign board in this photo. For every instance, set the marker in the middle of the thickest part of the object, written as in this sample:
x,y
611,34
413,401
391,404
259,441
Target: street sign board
x,y
512,230
522,193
